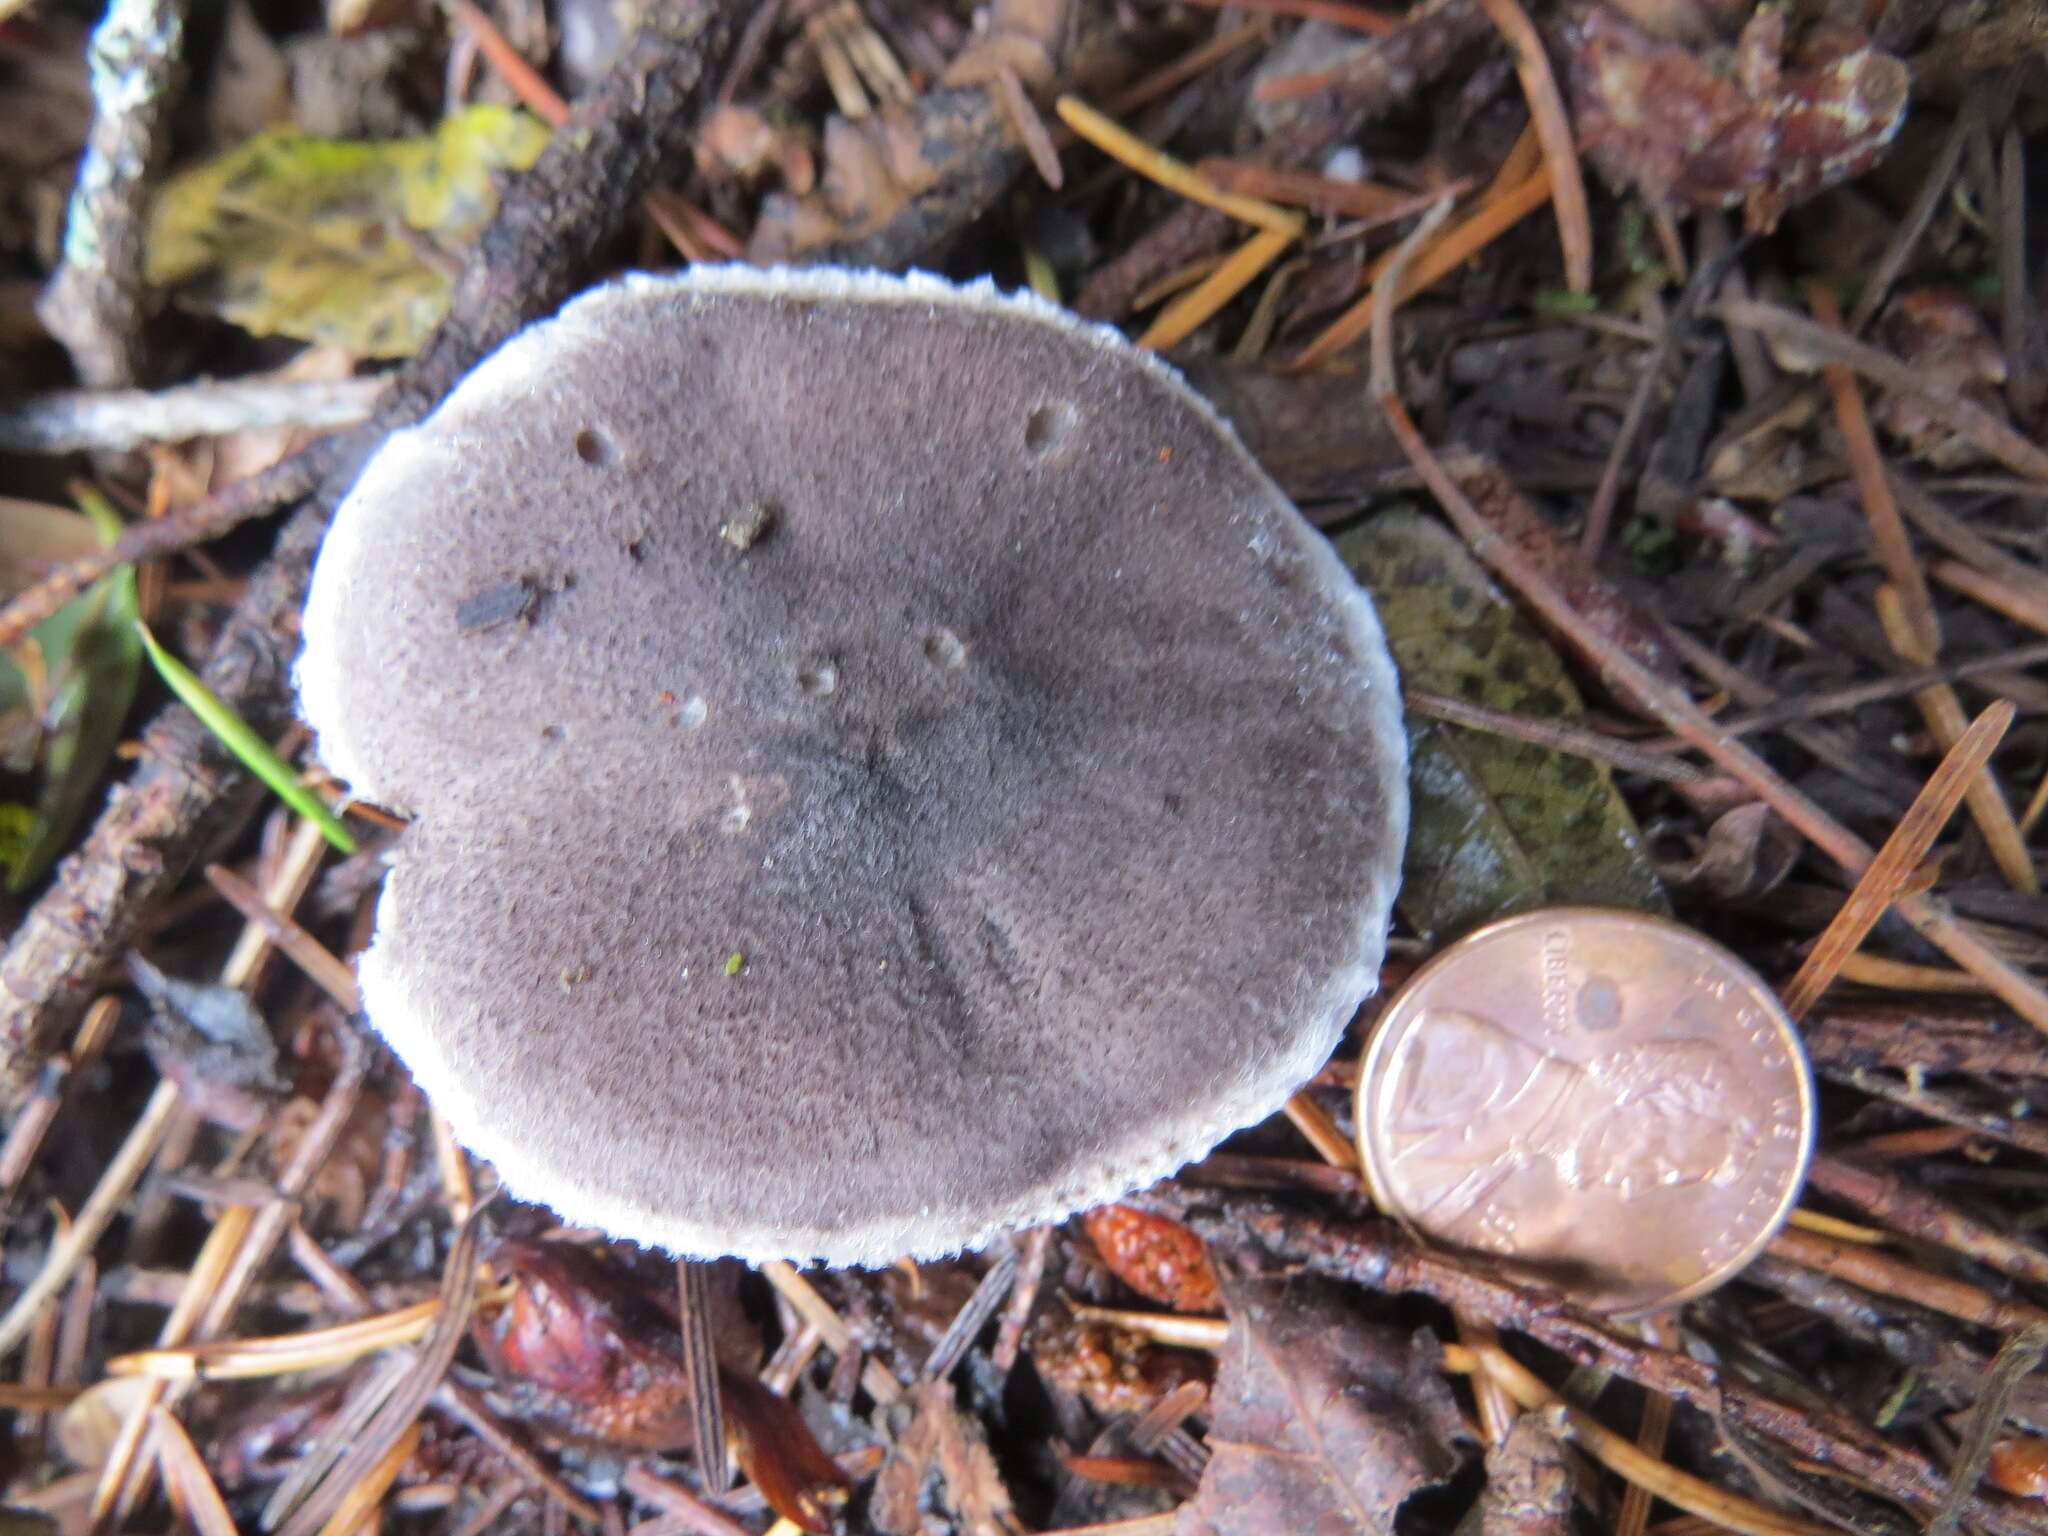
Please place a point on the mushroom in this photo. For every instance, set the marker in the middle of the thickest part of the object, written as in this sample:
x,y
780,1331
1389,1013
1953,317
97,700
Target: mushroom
x,y
884,764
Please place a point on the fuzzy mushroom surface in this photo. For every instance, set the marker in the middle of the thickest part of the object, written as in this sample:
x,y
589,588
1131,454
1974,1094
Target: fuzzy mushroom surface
x,y
884,764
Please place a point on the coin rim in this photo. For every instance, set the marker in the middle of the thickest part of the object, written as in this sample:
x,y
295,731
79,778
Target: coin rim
x,y
1372,1062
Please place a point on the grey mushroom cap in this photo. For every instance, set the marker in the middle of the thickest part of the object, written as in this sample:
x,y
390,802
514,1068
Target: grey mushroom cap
x,y
885,765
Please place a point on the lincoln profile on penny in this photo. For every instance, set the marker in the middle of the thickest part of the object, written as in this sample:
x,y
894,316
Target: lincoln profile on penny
x,y
1478,1105
884,765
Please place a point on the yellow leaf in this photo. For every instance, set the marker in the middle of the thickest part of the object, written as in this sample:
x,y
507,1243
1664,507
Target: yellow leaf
x,y
333,240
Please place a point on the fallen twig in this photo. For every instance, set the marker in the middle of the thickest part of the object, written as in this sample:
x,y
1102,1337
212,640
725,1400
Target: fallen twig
x,y
1913,1211
1554,132
98,300
75,420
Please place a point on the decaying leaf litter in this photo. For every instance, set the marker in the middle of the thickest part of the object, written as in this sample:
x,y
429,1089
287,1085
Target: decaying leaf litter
x,y
1740,417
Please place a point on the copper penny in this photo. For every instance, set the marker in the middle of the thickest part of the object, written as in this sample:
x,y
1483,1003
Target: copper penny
x,y
1596,1100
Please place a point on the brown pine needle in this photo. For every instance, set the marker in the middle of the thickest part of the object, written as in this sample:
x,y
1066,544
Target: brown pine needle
x,y
1321,1132
239,1359
1889,1276
1497,1410
1904,976
1653,1432
1174,1328
1898,858
691,1512
300,947
1176,176
124,1479
674,227
1179,280
33,1120
1177,73
1824,1225
1029,126
810,1306
194,1497
1943,713
1554,129
356,1509
840,75
706,230
1916,1213
685,228
1257,334
15,1398
817,1311
452,1163
2036,808
83,1234
241,1242
1305,189
1385,295
2021,606
1193,309
1339,12
1457,245
539,98
1887,528
1676,709
700,1362
2019,990
1524,159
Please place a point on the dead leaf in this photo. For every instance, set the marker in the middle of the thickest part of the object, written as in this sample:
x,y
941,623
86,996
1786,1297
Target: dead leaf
x,y
1941,337
89,1427
333,240
1322,1420
1747,853
780,1455
1497,826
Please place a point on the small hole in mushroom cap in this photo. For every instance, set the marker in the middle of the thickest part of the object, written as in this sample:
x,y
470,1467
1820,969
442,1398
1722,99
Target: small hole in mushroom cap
x,y
943,648
553,735
595,447
818,679
692,712
1045,426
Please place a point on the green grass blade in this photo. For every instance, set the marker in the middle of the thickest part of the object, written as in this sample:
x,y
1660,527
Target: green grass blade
x,y
240,739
